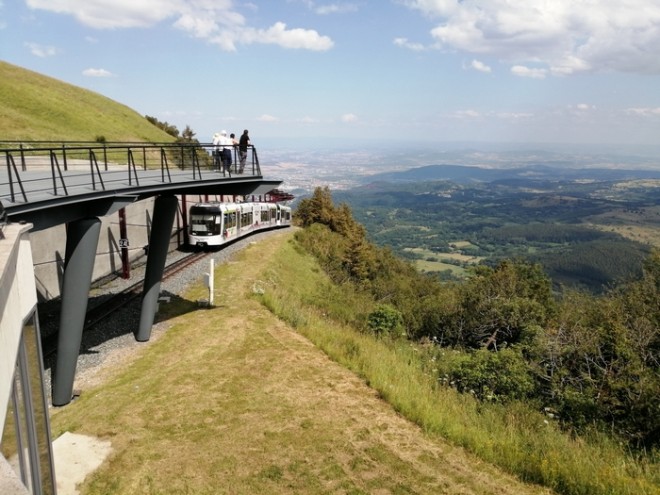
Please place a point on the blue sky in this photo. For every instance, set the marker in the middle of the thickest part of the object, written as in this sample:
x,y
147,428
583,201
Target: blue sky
x,y
541,71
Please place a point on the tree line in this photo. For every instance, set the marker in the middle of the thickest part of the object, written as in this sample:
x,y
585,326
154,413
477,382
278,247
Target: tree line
x,y
503,334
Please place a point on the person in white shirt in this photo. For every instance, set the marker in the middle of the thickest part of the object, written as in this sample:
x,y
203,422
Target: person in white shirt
x,y
226,145
216,152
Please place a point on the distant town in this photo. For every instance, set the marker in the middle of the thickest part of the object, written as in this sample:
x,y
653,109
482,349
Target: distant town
x,y
305,169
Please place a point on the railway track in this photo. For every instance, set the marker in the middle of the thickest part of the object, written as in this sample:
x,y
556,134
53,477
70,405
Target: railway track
x,y
113,303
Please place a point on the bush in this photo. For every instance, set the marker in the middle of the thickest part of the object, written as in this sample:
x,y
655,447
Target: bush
x,y
495,376
386,320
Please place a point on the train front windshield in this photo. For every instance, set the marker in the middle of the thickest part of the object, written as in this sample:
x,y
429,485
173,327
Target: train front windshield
x,y
204,223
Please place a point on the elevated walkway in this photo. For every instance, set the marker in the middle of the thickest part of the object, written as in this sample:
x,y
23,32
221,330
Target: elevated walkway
x,y
48,184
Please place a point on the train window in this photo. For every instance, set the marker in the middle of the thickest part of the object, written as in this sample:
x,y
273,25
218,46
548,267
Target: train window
x,y
230,220
264,215
202,223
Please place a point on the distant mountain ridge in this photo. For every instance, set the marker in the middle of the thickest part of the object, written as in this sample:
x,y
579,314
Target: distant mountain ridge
x,y
470,174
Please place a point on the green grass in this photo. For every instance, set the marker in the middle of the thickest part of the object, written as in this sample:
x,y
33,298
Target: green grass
x,y
34,107
515,437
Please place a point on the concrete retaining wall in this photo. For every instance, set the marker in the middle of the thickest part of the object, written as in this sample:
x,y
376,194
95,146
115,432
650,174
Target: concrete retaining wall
x,y
17,300
49,246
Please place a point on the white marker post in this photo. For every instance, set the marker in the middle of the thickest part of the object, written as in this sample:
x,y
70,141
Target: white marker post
x,y
210,278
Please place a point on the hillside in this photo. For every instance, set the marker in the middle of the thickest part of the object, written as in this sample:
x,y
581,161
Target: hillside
x,y
39,108
252,407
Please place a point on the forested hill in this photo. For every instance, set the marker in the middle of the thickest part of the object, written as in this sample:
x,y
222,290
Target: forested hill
x,y
587,232
467,174
39,108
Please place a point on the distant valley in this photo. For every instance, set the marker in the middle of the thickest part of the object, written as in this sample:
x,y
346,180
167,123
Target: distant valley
x,y
530,175
589,228
344,166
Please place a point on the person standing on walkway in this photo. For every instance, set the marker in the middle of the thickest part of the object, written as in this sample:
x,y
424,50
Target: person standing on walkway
x,y
243,144
217,152
226,151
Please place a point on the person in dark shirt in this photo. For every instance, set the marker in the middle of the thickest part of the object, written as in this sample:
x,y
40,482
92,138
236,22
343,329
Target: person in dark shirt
x,y
243,144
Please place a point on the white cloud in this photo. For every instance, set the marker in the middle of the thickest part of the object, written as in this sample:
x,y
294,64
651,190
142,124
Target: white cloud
x,y
216,21
109,14
480,66
564,36
336,8
522,71
267,118
331,8
644,112
403,42
467,114
42,51
97,73
515,115
349,117
198,27
278,34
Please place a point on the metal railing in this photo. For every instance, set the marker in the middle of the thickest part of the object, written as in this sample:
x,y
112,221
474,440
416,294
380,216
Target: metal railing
x,y
99,164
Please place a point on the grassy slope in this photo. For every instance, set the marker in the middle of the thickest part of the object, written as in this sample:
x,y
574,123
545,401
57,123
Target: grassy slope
x,y
38,108
233,400
516,438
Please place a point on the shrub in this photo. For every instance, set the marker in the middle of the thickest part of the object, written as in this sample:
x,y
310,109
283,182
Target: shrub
x,y
495,376
386,320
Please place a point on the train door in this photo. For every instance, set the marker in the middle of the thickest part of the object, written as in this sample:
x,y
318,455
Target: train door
x,y
230,222
263,215
246,217
254,215
285,213
272,214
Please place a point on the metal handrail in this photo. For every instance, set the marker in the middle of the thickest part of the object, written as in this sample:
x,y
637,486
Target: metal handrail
x,y
92,158
64,160
11,166
131,166
55,166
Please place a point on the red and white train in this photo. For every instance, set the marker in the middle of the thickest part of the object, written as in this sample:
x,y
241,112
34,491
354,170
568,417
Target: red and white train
x,y
216,223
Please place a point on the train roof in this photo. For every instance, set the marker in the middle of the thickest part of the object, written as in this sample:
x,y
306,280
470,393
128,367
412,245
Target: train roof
x,y
217,206
214,207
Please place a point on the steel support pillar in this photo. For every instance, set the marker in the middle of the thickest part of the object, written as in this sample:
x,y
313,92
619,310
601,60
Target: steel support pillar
x,y
82,237
161,228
